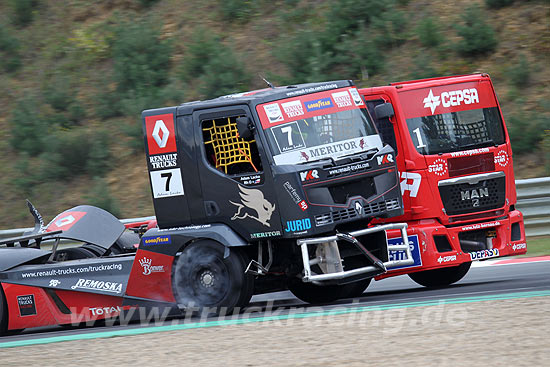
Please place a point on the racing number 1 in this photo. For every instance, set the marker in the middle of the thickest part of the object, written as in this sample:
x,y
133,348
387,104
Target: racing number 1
x,y
168,176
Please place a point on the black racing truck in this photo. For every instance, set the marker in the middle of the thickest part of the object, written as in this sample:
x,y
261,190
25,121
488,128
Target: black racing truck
x,y
270,190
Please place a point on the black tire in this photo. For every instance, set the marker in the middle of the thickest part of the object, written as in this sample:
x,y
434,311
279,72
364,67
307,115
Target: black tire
x,y
313,293
3,313
203,279
355,289
441,277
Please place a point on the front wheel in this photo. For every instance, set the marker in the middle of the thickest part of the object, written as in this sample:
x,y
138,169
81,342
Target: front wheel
x,y
441,277
204,281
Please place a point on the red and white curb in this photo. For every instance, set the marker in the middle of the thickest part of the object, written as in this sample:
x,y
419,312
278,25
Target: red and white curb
x,y
519,260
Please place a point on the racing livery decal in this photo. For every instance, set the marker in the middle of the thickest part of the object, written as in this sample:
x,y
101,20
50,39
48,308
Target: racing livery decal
x,y
402,255
27,306
64,221
253,199
161,136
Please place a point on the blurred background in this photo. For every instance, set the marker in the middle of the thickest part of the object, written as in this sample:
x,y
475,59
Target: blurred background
x,y
75,76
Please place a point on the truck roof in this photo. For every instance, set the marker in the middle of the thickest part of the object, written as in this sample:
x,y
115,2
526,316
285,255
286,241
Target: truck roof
x,y
262,95
431,82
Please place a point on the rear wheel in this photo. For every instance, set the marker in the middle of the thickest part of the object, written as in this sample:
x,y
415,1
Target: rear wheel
x,y
441,277
203,280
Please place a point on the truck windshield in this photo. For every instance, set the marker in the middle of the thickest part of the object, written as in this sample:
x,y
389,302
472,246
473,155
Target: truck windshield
x,y
456,131
331,135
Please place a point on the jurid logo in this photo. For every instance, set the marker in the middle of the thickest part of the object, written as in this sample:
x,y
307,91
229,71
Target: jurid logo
x,y
451,98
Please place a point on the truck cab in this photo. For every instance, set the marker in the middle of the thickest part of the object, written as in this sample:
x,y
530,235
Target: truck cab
x,y
290,174
455,164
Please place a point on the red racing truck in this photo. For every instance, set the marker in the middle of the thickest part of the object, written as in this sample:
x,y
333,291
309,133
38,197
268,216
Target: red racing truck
x,y
454,159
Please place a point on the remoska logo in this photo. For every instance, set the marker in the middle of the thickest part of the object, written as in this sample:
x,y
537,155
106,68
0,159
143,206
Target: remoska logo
x,y
148,268
161,137
149,241
484,254
519,246
98,311
298,225
452,98
446,259
385,159
98,285
309,175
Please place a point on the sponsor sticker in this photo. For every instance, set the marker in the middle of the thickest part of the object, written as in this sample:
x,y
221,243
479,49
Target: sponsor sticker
x,y
396,255
110,311
71,270
295,196
501,158
445,259
319,104
408,185
293,109
253,205
98,285
484,254
348,169
439,167
309,175
265,234
166,183
27,306
356,97
452,98
298,225
157,240
342,99
251,180
273,112
161,136
149,268
163,161
519,246
54,283
480,226
65,221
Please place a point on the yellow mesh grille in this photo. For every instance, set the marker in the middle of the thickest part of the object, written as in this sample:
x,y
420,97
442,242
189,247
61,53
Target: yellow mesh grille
x,y
221,136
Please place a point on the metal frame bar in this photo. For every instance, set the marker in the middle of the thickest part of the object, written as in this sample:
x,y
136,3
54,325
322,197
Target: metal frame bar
x,y
308,276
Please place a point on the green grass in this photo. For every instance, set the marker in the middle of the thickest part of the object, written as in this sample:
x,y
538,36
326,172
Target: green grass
x,y
538,246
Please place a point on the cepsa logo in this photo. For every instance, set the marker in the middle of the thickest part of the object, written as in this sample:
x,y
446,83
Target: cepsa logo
x,y
452,98
161,136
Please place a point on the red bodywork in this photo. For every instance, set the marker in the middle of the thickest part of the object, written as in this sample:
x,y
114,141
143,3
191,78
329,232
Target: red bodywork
x,y
421,174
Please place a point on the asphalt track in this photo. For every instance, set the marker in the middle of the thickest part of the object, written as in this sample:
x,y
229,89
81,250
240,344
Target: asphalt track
x,y
489,280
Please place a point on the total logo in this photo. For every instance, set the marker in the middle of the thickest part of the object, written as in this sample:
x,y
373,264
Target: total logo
x,y
452,98
309,175
298,225
519,246
99,311
385,159
148,268
446,259
484,254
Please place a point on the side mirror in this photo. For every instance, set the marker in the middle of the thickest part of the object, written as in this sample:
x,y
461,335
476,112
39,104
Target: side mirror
x,y
384,110
245,128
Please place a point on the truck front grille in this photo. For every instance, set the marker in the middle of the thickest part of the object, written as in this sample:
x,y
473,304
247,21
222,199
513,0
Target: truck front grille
x,y
342,215
469,196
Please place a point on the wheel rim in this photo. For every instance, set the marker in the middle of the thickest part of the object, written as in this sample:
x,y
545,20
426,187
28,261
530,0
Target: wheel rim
x,y
209,282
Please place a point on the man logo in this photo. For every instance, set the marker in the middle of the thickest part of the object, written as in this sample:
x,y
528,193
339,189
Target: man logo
x,y
160,140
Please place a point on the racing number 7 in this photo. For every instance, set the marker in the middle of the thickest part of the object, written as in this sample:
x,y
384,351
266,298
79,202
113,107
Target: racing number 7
x,y
168,176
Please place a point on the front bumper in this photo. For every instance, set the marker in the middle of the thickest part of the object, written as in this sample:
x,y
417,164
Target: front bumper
x,y
434,245
377,267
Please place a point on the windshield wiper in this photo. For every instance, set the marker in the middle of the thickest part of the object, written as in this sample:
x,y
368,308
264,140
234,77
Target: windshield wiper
x,y
478,144
367,152
319,160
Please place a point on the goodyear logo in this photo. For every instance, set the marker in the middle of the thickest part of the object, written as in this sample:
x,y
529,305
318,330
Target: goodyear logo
x,y
319,104
158,240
